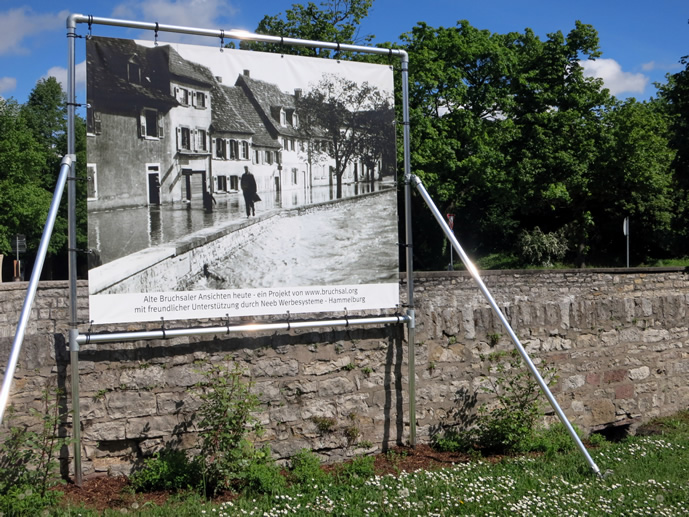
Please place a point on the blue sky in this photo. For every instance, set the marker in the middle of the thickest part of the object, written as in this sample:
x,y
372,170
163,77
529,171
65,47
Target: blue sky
x,y
641,40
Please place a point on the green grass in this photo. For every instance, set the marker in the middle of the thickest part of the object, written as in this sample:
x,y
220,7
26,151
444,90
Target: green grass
x,y
643,475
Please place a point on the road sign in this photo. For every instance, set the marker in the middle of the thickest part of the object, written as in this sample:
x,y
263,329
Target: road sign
x,y
451,221
19,243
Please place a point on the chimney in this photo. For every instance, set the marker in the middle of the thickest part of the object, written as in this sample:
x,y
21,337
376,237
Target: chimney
x,y
297,93
247,73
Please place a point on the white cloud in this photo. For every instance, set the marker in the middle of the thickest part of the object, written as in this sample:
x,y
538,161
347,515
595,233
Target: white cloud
x,y
60,74
16,25
665,67
185,13
614,78
7,84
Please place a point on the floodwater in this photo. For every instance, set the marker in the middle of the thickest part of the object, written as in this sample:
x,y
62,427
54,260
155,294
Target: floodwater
x,y
117,233
350,243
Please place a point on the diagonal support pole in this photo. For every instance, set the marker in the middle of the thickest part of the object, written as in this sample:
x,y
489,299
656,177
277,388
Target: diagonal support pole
x,y
33,283
527,360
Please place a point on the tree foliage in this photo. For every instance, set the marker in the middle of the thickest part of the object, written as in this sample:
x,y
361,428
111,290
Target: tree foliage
x,y
334,21
509,135
33,140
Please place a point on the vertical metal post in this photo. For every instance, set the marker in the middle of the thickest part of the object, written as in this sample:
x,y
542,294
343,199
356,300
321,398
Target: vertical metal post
x,y
72,245
411,332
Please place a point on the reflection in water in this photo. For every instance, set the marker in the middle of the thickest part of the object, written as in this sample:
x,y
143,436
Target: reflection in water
x,y
118,233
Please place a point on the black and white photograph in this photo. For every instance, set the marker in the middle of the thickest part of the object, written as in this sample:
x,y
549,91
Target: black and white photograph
x,y
226,182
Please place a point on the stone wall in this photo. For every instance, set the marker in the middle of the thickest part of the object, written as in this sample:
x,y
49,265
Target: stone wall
x,y
618,339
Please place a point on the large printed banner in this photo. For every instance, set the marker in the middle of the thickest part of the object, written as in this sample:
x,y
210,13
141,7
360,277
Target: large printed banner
x,y
226,183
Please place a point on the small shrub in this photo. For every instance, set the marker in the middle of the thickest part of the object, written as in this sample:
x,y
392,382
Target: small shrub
x,y
542,249
510,426
454,441
226,419
306,469
554,439
358,470
264,478
168,470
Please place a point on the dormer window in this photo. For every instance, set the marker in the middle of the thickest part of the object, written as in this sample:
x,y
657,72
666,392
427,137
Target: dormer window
x,y
283,117
133,71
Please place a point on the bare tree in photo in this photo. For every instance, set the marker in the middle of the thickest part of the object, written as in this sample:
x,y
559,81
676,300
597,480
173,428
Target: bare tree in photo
x,y
351,119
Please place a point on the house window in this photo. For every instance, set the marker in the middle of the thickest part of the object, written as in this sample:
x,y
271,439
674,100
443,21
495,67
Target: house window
x,y
269,157
234,182
134,72
245,150
201,140
91,181
222,183
295,119
220,148
283,117
257,156
185,138
200,100
151,124
294,176
93,121
234,150
183,96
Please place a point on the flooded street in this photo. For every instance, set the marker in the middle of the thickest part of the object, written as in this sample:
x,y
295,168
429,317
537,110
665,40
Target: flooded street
x,y
350,243
117,233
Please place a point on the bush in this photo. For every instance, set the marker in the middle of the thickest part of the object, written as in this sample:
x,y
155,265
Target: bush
x,y
358,470
226,420
264,478
510,426
454,441
168,470
306,469
554,439
541,249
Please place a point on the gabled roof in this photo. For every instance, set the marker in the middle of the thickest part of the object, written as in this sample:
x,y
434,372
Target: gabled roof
x,y
225,116
108,85
262,137
270,100
188,71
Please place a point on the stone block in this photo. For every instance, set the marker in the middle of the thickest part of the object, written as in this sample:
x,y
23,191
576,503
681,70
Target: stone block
x,y
637,374
602,411
127,404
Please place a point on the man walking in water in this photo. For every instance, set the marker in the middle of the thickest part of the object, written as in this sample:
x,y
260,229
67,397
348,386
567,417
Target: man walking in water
x,y
248,184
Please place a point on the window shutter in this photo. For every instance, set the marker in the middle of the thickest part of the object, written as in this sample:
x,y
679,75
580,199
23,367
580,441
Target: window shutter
x,y
179,131
142,125
161,127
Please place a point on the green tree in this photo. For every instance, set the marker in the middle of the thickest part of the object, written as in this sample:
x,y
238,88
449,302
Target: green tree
x,y
335,21
33,140
636,181
674,96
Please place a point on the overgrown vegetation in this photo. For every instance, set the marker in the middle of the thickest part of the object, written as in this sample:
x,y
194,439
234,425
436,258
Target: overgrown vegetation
x,y
644,475
29,459
507,424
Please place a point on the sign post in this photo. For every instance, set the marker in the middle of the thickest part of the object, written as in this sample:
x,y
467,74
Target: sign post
x,y
18,246
625,230
451,224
